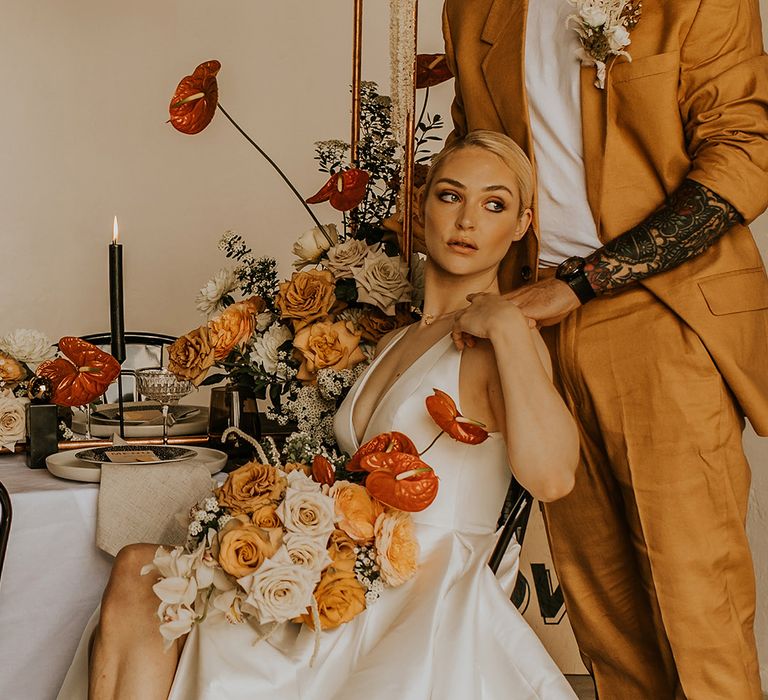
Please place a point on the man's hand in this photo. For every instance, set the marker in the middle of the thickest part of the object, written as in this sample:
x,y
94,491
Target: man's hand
x,y
546,302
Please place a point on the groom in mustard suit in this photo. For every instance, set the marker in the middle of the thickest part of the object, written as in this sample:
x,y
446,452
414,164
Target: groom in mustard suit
x,y
654,302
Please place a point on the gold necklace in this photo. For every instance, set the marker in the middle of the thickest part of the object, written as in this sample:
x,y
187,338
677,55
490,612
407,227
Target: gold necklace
x,y
429,319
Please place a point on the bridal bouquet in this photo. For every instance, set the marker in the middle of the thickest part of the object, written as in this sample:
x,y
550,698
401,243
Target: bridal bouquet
x,y
279,542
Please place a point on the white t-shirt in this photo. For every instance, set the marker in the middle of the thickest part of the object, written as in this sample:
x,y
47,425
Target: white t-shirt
x,y
554,103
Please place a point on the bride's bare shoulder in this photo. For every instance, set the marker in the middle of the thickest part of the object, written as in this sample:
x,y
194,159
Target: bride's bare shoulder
x,y
387,338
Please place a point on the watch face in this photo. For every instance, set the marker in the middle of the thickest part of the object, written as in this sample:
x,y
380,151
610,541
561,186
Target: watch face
x,y
570,266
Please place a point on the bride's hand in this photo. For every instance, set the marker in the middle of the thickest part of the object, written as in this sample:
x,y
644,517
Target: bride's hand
x,y
486,313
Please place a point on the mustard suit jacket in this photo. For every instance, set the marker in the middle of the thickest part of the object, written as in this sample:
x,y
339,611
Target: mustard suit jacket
x,y
692,103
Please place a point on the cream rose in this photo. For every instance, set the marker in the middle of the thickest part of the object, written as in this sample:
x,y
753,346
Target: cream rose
x,y
382,281
356,511
307,551
13,423
340,597
345,256
307,512
397,550
313,243
244,547
280,590
306,297
593,16
191,356
327,345
250,487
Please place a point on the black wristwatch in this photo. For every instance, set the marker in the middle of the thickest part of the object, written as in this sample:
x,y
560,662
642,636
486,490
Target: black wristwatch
x,y
571,271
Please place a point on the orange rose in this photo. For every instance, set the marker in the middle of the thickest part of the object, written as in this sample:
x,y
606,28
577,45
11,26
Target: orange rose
x,y
191,356
306,297
11,371
397,550
266,517
243,547
356,511
235,326
250,487
340,597
297,466
327,345
376,324
341,549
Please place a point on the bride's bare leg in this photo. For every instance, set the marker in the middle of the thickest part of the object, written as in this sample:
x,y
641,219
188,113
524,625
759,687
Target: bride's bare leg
x,y
128,659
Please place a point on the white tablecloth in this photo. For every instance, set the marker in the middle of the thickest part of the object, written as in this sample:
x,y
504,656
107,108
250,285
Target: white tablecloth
x,y
52,579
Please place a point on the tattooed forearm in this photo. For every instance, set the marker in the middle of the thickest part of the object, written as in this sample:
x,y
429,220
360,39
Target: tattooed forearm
x,y
693,218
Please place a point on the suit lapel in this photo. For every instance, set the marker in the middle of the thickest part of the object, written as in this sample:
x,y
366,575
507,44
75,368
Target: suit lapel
x,y
593,129
503,66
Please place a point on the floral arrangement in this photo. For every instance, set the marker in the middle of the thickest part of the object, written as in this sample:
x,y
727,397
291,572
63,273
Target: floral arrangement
x,y
20,353
603,27
302,342
282,541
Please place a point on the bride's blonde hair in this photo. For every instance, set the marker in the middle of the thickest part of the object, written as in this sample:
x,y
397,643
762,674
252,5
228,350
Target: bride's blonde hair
x,y
500,145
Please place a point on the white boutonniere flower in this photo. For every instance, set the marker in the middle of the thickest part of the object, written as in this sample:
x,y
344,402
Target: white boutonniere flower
x,y
603,27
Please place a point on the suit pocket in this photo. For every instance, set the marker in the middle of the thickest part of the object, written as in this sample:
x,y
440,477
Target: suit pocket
x,y
623,71
735,292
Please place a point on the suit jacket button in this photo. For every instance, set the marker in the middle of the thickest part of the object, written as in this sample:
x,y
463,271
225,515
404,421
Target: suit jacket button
x,y
526,273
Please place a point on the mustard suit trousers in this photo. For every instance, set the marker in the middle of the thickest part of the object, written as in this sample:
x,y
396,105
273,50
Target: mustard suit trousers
x,y
650,547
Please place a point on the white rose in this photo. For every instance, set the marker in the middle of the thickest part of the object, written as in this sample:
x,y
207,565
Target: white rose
x,y
27,346
311,552
13,422
280,590
618,38
266,346
382,281
312,244
209,298
307,512
593,16
342,258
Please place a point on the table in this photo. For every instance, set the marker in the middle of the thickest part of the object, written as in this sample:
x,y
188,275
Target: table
x,y
52,578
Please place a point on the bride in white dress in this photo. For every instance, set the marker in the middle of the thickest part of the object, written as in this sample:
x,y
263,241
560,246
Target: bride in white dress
x,y
451,631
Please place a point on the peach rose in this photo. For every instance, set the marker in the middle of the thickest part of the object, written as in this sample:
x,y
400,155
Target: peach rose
x,y
340,597
11,371
356,511
297,466
251,487
191,356
243,547
397,550
306,297
341,549
235,326
327,345
266,517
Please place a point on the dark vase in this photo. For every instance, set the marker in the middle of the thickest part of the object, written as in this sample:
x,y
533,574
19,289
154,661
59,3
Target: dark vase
x,y
234,406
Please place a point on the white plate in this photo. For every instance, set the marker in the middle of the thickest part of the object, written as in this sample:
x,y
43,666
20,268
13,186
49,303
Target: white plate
x,y
192,425
66,466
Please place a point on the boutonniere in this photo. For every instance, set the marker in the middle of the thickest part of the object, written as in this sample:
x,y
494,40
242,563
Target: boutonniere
x,y
603,27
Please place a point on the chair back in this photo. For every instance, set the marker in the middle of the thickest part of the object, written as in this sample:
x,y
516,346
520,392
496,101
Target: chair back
x,y
5,522
141,350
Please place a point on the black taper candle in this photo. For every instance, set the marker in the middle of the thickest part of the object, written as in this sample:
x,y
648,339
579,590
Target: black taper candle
x,y
116,319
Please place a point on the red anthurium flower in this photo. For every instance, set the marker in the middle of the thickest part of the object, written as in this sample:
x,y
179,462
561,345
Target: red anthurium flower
x,y
443,410
194,102
344,190
403,482
385,442
84,376
431,69
322,471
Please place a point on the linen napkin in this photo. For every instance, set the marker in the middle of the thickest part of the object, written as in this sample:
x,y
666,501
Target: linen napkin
x,y
148,502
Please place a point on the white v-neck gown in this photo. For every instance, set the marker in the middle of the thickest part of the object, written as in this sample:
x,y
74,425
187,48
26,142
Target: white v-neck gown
x,y
448,633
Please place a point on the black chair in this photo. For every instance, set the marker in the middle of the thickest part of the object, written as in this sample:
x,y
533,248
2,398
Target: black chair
x,y
514,517
141,350
6,513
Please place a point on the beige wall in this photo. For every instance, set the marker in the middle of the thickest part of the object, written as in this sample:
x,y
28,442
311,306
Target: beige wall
x,y
86,84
